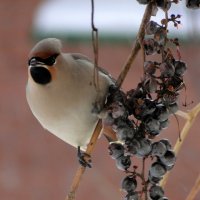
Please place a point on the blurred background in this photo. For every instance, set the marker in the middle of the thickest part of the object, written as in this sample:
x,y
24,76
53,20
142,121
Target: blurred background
x,y
35,165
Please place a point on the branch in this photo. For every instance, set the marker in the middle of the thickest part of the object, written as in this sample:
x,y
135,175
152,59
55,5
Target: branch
x,y
81,169
122,76
136,48
190,116
195,189
95,44
183,114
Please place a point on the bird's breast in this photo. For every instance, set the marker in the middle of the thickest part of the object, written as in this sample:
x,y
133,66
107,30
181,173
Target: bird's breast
x,y
66,114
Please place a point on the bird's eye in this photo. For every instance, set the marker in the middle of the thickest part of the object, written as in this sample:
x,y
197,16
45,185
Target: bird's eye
x,y
50,60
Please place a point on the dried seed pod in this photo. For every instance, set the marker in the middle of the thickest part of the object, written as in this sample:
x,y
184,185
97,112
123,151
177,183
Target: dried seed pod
x,y
149,67
150,46
193,4
167,70
151,27
151,85
160,35
164,5
180,68
143,1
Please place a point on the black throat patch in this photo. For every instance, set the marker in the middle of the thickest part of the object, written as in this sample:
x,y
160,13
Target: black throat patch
x,y
40,75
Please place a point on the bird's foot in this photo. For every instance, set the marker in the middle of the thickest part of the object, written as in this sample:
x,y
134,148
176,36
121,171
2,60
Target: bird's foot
x,y
84,159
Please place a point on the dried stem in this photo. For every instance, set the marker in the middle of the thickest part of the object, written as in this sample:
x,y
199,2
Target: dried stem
x,y
81,169
95,44
144,182
182,114
122,76
136,48
190,116
195,189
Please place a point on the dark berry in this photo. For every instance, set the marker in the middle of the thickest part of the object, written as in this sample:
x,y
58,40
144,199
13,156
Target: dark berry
x,y
151,85
156,192
149,67
129,184
157,170
169,158
152,126
151,28
132,196
167,70
165,5
164,124
116,150
143,1
158,149
125,133
180,68
145,147
160,35
173,108
150,46
154,180
117,109
161,113
123,162
133,146
193,4
166,143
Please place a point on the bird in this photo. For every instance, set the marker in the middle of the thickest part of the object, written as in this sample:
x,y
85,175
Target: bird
x,y
61,93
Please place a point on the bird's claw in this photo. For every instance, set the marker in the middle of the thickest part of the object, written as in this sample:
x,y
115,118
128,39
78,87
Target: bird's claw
x,y
84,159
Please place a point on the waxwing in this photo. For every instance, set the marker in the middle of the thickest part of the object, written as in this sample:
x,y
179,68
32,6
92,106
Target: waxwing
x,y
61,92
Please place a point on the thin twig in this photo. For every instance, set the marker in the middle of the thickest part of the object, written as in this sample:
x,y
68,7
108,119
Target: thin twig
x,y
143,51
95,44
182,114
192,116
131,58
136,48
195,189
144,182
81,169
185,131
166,26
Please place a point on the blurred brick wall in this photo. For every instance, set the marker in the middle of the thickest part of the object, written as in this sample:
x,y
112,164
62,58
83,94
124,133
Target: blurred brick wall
x,y
35,165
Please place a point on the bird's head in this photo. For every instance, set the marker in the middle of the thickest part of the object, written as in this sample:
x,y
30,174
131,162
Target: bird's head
x,y
42,60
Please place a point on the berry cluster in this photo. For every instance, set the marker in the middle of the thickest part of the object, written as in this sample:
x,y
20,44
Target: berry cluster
x,y
137,118
194,4
165,5
140,114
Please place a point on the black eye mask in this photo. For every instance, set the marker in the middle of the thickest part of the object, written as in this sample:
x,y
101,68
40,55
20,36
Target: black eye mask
x,y
47,61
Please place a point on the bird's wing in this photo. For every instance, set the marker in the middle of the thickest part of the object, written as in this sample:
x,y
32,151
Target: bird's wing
x,y
78,56
108,132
